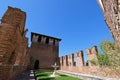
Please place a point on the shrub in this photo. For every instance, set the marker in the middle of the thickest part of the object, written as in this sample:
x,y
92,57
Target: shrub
x,y
109,56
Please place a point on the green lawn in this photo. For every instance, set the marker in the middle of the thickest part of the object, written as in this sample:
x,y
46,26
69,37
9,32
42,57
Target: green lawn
x,y
45,76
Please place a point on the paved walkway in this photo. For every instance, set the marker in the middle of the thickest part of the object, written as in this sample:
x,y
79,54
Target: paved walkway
x,y
27,75
85,76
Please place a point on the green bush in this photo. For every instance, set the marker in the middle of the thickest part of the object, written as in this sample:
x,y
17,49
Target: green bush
x,y
109,56
103,60
111,53
94,62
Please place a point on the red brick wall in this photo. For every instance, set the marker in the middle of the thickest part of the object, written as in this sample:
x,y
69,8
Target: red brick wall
x,y
45,49
66,63
46,54
112,17
79,61
14,57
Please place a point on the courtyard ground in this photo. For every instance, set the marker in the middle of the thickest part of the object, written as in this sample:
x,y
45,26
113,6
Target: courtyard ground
x,y
46,76
29,75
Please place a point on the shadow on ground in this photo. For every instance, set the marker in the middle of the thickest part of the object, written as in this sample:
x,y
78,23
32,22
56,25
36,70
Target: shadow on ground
x,y
46,78
62,75
41,75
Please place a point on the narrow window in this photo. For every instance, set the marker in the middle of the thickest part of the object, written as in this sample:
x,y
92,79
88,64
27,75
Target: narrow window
x,y
47,40
39,39
87,64
54,42
74,60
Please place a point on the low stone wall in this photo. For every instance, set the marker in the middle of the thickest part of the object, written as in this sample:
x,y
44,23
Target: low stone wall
x,y
85,76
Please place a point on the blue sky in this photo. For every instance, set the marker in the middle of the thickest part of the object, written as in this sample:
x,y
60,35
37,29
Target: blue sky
x,y
79,23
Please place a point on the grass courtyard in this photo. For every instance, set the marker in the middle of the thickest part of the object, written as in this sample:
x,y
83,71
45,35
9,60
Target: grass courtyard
x,y
45,76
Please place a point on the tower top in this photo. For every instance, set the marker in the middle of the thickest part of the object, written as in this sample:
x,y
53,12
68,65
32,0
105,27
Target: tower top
x,y
36,34
14,17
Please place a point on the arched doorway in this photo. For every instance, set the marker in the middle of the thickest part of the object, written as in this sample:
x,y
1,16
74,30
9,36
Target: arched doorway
x,y
36,64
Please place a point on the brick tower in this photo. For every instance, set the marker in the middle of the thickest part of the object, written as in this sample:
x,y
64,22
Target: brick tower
x,y
14,57
44,50
111,10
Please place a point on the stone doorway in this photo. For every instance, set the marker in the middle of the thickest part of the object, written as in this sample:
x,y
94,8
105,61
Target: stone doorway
x,y
36,64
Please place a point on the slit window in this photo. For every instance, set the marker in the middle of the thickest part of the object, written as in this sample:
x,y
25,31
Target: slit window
x,y
39,39
47,40
54,42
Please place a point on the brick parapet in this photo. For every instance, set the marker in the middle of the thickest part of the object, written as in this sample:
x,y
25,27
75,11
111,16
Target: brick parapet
x,y
71,60
68,60
79,60
81,67
92,54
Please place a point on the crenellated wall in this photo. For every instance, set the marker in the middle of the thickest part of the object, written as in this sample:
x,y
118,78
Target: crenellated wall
x,y
67,63
111,10
92,54
45,50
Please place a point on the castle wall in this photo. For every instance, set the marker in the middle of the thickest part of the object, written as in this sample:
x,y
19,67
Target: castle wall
x,y
111,10
79,61
14,57
45,49
44,53
92,54
67,64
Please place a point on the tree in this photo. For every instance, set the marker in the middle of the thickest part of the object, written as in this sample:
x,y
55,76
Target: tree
x,y
109,55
